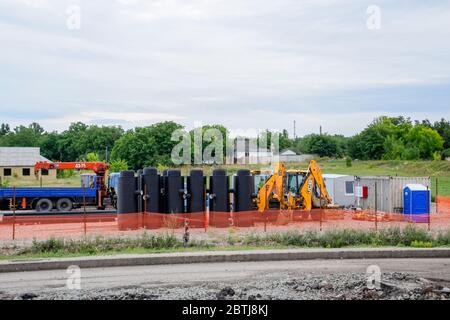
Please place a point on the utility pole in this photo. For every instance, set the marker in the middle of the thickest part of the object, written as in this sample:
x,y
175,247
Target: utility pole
x,y
295,133
320,130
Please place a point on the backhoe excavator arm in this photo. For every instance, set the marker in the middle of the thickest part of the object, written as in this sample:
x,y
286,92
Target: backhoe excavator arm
x,y
313,179
315,171
272,189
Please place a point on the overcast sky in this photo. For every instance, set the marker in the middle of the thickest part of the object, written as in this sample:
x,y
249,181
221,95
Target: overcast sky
x,y
242,63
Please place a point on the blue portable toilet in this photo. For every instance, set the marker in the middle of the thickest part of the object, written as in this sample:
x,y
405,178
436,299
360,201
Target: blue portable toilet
x,y
416,202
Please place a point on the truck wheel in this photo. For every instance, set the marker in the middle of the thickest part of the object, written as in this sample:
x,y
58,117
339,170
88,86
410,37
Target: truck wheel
x,y
44,205
64,204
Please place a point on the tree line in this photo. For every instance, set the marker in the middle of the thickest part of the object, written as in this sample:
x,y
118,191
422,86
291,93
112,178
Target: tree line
x,y
389,138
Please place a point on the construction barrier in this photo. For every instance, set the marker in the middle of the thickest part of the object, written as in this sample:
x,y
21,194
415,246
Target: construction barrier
x,y
73,226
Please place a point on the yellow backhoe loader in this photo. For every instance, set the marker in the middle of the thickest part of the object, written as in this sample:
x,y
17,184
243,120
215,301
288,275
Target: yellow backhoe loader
x,y
293,189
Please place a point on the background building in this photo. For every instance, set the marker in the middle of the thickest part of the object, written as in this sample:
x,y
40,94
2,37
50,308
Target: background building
x,y
288,155
18,163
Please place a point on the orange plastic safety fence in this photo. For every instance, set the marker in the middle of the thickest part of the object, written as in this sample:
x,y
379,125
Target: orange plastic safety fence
x,y
443,204
44,227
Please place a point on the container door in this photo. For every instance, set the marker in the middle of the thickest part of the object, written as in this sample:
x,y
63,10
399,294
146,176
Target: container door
x,y
406,201
420,202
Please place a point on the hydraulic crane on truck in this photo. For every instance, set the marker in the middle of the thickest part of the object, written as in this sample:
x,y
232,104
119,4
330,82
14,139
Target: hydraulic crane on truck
x,y
99,168
44,199
294,189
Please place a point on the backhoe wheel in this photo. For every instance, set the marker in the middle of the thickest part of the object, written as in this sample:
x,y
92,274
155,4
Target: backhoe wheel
x,y
64,204
44,205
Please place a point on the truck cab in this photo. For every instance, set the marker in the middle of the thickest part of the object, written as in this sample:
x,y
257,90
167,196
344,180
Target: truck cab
x,y
88,181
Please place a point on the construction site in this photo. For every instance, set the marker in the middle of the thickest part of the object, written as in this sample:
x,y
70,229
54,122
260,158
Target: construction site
x,y
279,208
239,151
249,201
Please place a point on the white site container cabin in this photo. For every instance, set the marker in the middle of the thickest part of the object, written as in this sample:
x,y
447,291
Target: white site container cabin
x,y
389,192
341,188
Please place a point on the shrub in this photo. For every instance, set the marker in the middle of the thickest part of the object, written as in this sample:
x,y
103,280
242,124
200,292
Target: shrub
x,y
5,183
422,244
411,233
348,162
443,238
63,174
118,165
446,153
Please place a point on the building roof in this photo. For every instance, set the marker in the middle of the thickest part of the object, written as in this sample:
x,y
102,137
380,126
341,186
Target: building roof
x,y
288,152
20,157
334,175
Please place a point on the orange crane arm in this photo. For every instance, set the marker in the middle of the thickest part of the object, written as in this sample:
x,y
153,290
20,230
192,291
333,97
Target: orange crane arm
x,y
99,168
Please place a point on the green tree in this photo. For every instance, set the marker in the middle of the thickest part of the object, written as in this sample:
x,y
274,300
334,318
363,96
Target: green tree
x,y
71,144
284,140
279,139
137,147
148,146
443,128
394,148
91,157
322,145
341,145
205,143
4,129
118,165
81,139
370,143
446,153
23,136
49,146
426,140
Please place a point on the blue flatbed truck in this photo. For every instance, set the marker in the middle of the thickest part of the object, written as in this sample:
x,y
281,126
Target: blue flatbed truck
x,y
45,199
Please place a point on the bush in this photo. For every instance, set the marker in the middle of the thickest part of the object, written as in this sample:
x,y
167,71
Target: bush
x,y
443,238
118,165
422,244
446,153
63,174
50,245
348,162
411,233
5,183
436,156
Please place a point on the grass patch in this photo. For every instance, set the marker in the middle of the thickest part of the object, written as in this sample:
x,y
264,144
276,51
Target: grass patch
x,y
101,245
410,236
349,238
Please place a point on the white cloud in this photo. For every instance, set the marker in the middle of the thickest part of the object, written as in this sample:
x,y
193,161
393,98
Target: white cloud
x,y
253,62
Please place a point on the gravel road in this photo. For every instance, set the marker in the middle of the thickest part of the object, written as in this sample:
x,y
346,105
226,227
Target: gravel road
x,y
317,279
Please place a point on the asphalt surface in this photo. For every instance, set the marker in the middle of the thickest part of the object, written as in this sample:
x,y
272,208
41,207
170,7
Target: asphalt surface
x,y
310,279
